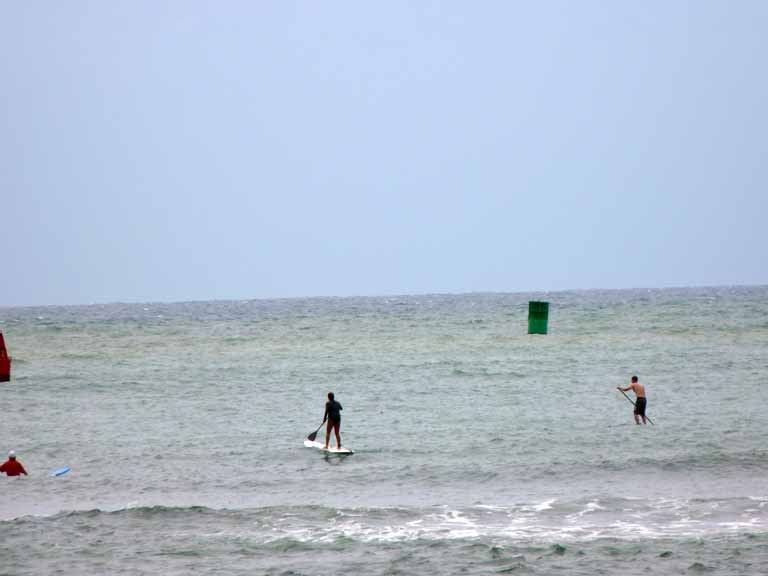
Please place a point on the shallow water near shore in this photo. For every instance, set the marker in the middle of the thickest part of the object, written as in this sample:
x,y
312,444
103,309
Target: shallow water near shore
x,y
478,448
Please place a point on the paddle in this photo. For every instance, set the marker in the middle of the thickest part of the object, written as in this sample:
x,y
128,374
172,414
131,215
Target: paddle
x,y
631,402
313,435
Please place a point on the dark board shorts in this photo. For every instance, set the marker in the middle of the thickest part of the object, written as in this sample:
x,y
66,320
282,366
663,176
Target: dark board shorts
x,y
640,406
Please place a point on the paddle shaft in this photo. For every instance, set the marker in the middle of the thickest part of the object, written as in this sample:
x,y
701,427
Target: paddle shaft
x,y
633,404
312,436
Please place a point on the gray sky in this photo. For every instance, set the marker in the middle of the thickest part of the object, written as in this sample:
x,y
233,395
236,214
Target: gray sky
x,y
214,150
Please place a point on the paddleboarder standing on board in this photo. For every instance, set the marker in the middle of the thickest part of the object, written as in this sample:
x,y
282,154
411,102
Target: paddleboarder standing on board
x,y
333,415
641,401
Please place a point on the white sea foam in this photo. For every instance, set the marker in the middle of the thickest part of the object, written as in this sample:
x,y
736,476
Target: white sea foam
x,y
546,505
522,523
590,507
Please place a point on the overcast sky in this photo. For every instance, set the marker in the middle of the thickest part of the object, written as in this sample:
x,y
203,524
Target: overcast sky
x,y
223,150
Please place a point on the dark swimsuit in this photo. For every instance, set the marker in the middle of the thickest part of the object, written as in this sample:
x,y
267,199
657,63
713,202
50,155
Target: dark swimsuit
x,y
333,411
640,406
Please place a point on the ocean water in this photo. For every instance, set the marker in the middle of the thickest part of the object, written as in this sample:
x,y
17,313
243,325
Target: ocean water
x,y
478,449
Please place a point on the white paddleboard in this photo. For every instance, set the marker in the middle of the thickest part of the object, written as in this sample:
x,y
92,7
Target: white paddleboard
x,y
329,450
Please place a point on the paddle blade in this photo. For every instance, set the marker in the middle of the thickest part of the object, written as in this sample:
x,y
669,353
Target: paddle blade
x,y
313,435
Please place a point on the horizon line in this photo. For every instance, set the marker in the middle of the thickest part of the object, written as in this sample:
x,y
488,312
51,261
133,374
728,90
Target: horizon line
x,y
373,296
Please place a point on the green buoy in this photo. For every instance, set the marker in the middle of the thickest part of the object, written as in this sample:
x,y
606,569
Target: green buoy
x,y
538,315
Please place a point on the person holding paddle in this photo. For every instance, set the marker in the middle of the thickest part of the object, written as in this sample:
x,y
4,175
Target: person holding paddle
x,y
641,401
333,415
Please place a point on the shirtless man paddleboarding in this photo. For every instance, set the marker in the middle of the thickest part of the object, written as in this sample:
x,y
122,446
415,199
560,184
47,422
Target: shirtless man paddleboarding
x,y
641,401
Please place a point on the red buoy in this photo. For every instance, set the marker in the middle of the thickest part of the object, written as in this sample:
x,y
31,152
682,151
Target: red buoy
x,y
5,361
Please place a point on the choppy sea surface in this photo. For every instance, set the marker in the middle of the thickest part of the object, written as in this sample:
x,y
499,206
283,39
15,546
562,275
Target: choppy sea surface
x,y
478,449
